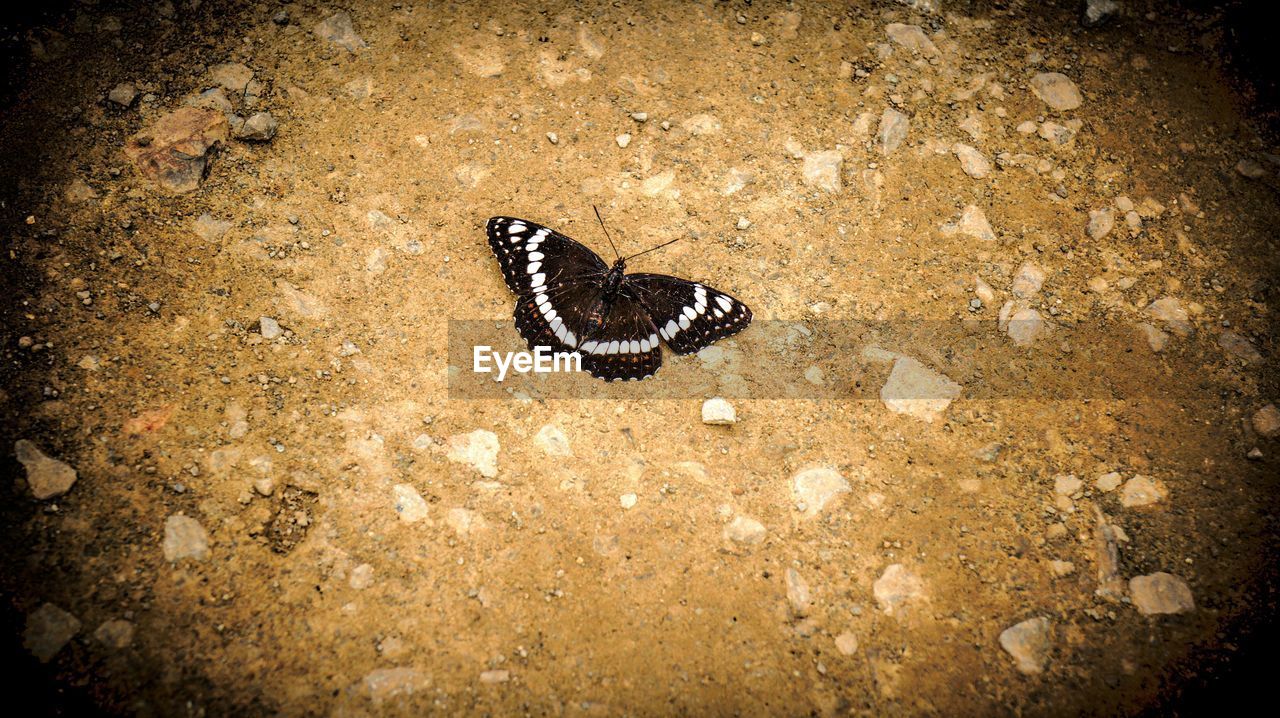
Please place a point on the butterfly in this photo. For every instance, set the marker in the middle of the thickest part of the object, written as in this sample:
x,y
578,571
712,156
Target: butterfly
x,y
569,299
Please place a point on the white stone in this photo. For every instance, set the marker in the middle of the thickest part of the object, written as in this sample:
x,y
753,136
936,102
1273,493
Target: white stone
x,y
1266,421
1156,339
1056,90
1066,484
745,530
894,126
911,37
552,441
822,170
1142,491
916,390
1160,593
184,537
269,328
1170,311
718,412
361,577
478,449
1108,482
409,504
847,643
628,501
46,476
897,587
1028,281
623,140
798,593
1028,643
816,488
973,162
700,125
972,223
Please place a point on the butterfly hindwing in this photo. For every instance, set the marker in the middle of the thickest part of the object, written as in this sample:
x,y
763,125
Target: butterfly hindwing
x,y
529,253
688,315
625,343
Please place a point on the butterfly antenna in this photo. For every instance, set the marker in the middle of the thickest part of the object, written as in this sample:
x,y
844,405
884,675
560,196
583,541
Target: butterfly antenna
x,y
654,249
606,232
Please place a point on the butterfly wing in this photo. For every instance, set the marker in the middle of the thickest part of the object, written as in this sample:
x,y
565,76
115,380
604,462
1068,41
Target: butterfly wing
x,y
527,251
622,343
687,315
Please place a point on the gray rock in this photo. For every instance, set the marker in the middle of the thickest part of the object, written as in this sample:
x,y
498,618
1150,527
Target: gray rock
x,y
911,37
269,328
1028,281
822,170
232,76
1239,347
210,229
337,29
1098,12
894,126
897,587
1170,311
915,390
387,683
973,223
1056,90
1251,169
1161,593
973,162
260,127
816,488
1266,421
48,477
1101,221
184,537
1142,491
798,593
1024,325
745,530
49,628
115,634
1028,643
410,505
123,94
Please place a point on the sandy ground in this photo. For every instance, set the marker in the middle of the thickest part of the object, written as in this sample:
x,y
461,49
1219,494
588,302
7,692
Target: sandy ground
x,y
302,516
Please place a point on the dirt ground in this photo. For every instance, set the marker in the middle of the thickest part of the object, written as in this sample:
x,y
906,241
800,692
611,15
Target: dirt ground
x,y
302,515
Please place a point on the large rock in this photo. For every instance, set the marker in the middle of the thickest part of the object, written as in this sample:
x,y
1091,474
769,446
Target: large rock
x,y
175,151
822,170
337,29
911,37
816,488
916,390
1028,643
184,537
1160,593
49,628
47,476
897,587
893,130
1056,90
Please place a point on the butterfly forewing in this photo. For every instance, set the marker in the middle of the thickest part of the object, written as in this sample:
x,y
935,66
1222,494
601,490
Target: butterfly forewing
x,y
530,253
689,316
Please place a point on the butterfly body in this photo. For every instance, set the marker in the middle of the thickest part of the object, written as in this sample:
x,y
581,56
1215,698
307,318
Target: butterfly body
x,y
571,300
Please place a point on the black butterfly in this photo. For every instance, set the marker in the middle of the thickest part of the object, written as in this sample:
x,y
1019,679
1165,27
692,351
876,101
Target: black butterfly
x,y
570,300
